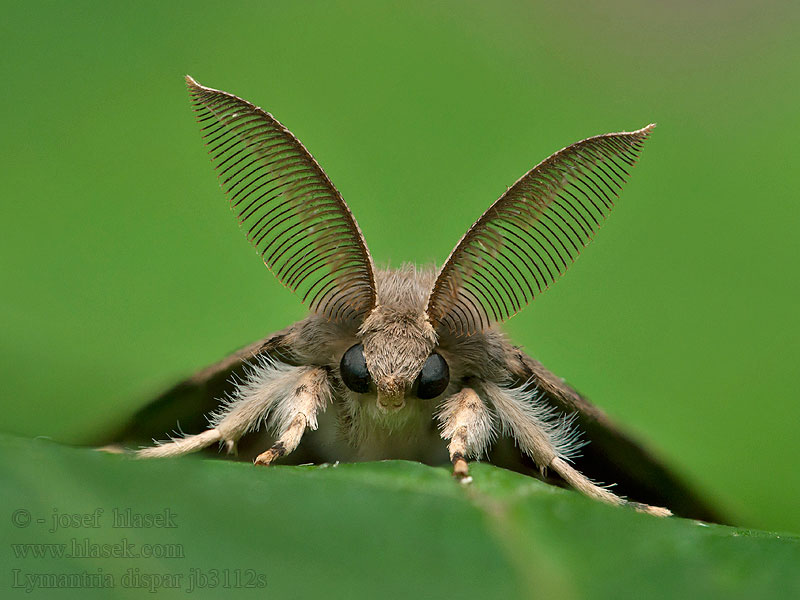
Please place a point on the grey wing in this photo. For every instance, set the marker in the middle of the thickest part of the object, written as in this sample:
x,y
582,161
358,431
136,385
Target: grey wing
x,y
612,455
185,405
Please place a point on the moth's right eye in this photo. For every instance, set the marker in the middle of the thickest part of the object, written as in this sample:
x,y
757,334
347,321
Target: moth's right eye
x,y
354,370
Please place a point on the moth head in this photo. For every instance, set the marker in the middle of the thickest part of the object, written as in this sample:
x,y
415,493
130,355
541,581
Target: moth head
x,y
395,359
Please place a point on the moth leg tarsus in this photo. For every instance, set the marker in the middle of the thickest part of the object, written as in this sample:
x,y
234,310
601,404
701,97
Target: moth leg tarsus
x,y
584,485
112,449
460,465
461,470
657,511
265,458
180,446
288,441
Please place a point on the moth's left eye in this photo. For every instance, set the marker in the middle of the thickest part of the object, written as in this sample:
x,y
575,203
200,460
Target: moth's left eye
x,y
434,377
353,368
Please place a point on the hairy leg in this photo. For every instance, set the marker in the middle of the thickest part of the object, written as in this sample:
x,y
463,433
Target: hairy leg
x,y
549,439
468,425
270,391
296,412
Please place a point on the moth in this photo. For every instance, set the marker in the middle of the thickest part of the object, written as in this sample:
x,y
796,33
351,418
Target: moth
x,y
408,363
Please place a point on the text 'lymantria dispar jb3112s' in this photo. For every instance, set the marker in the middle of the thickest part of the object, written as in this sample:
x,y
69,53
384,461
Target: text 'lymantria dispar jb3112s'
x,y
407,363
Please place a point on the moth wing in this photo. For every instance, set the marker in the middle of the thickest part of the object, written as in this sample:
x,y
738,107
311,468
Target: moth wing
x,y
186,404
612,455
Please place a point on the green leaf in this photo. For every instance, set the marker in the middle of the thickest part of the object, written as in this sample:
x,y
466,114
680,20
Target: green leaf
x,y
370,530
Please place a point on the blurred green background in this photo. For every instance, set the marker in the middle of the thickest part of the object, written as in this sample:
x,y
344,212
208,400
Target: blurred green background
x,y
123,269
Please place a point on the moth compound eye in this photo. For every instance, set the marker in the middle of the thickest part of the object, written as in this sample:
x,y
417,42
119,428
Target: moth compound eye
x,y
433,378
353,368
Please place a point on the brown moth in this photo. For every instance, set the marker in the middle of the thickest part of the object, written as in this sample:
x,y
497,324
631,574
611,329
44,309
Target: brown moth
x,y
407,363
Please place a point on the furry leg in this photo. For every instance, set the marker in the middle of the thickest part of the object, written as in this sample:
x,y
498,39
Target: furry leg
x,y
264,394
550,440
179,446
584,485
467,423
296,412
287,443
